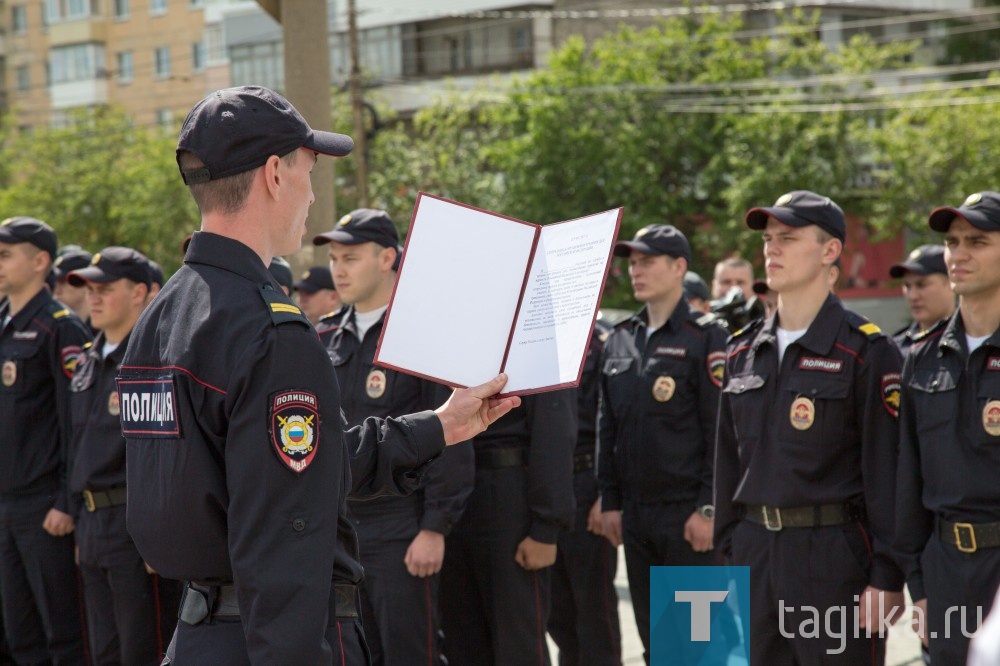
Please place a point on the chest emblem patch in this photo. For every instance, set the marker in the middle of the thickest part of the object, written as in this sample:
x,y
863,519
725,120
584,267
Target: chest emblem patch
x,y
802,414
375,384
663,388
9,373
991,418
114,405
295,428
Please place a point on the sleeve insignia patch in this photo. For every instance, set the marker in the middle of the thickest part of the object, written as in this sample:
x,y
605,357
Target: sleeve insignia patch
x,y
295,428
716,367
890,393
69,357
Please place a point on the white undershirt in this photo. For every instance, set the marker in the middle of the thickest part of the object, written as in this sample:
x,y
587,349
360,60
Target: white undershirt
x,y
364,321
108,348
974,343
786,338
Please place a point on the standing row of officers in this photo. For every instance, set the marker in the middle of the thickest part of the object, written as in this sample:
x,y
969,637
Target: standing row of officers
x,y
266,467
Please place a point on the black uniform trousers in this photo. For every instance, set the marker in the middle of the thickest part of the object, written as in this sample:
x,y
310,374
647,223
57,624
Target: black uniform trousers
x,y
38,584
964,582
399,611
130,613
583,620
493,612
822,568
653,535
220,641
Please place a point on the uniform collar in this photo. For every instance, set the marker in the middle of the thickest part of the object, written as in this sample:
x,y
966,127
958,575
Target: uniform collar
x,y
681,314
28,312
228,254
349,322
820,335
953,337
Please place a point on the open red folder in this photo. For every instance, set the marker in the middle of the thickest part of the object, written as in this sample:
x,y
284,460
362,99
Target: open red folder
x,y
479,293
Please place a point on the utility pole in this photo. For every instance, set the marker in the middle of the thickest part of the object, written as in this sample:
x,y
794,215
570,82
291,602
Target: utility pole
x,y
357,107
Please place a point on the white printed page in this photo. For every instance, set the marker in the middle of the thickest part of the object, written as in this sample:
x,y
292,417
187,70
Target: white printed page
x,y
560,302
456,295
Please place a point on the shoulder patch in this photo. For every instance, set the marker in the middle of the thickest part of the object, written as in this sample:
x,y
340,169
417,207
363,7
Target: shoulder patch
x,y
716,362
294,426
280,308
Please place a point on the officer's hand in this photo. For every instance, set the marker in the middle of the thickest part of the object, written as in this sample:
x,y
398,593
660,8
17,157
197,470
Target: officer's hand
x,y
58,523
532,555
611,526
698,532
470,411
878,610
594,525
919,621
425,554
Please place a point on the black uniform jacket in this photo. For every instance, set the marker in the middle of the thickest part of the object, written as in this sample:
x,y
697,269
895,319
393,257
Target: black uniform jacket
x,y
39,349
238,464
369,390
949,452
659,400
820,429
98,461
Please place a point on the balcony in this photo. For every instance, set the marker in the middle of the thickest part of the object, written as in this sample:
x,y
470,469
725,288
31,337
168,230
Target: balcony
x,y
79,31
88,92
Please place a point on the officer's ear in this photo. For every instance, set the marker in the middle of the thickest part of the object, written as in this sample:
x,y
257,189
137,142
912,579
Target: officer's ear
x,y
832,247
386,258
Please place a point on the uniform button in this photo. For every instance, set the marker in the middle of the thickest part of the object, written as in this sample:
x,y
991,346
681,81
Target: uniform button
x,y
298,524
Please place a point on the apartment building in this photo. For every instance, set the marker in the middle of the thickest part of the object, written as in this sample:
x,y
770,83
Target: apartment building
x,y
147,57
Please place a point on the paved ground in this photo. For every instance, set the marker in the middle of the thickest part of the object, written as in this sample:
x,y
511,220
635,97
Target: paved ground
x,y
904,648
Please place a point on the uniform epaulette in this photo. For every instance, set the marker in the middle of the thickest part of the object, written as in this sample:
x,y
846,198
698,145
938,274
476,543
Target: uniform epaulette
x,y
88,345
862,324
281,309
57,310
748,329
329,317
706,319
933,329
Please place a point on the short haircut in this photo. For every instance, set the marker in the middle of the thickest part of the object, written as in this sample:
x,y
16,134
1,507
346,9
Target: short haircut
x,y
225,195
734,262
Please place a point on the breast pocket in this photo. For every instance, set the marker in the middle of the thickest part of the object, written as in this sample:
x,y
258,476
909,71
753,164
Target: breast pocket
x,y
818,406
747,402
988,399
669,389
935,398
22,365
619,382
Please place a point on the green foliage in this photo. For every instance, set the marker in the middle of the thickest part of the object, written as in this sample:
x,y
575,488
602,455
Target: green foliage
x,y
98,182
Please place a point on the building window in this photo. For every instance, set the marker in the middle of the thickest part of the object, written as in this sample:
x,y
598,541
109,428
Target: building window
x,y
54,11
79,62
157,7
198,56
196,4
165,118
162,62
121,9
23,77
19,19
124,59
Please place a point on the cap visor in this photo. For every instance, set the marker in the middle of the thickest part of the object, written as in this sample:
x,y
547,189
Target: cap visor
x,y
625,248
940,218
307,287
7,236
330,143
90,274
339,236
756,218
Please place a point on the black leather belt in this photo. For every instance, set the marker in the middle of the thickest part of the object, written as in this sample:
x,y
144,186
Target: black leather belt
x,y
969,537
582,462
822,515
200,602
511,456
102,499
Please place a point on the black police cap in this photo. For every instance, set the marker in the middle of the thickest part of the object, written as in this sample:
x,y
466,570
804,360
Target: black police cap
x,y
656,239
924,260
238,129
69,260
799,209
695,287
21,229
981,210
314,279
364,225
114,263
281,271
156,273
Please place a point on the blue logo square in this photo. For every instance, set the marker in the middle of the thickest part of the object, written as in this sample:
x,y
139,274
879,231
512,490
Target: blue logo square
x,y
699,616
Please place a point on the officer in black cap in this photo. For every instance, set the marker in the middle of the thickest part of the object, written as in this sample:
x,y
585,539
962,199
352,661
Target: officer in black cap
x,y
125,604
696,292
40,343
402,539
806,456
71,258
661,373
281,271
316,294
232,421
927,291
949,500
584,619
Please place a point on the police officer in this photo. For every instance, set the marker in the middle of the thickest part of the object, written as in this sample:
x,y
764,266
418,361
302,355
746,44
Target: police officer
x,y
281,271
69,259
584,618
121,598
402,539
316,294
661,373
696,292
732,272
949,500
927,291
40,343
806,456
233,423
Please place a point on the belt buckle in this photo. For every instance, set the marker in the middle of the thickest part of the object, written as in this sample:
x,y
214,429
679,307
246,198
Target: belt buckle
x,y
88,501
773,525
959,528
